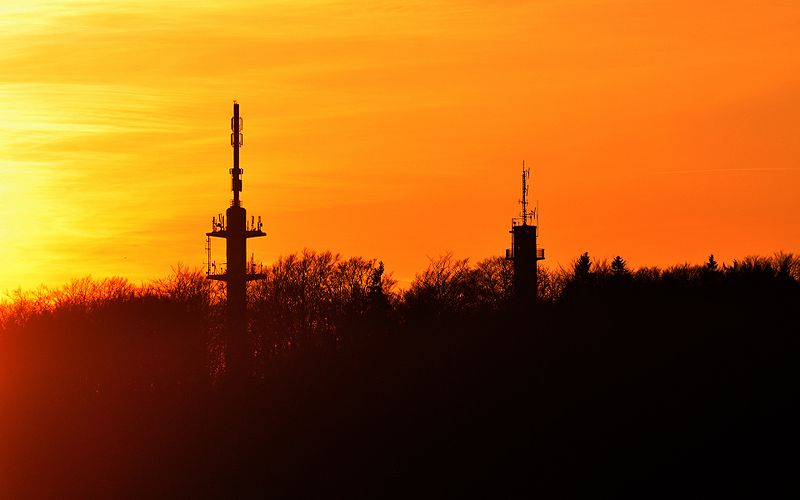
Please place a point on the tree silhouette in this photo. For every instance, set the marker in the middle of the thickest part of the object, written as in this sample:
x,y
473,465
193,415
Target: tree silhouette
x,y
306,298
619,267
582,266
711,264
448,286
494,278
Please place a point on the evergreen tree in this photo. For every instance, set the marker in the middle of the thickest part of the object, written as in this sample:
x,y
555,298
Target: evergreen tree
x,y
619,267
711,265
582,266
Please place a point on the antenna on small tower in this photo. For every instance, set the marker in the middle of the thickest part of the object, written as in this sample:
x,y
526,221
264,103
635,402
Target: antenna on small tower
x,y
524,251
526,174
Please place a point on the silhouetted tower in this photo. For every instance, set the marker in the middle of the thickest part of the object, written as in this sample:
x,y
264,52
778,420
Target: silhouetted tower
x,y
236,272
523,249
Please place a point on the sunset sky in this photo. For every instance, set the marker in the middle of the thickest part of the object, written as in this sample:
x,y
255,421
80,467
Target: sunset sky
x,y
661,131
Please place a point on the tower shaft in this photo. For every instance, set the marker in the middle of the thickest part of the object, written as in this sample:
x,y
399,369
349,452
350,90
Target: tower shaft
x,y
523,241
236,253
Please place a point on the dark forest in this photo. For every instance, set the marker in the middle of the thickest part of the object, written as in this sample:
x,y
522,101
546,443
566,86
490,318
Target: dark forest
x,y
616,382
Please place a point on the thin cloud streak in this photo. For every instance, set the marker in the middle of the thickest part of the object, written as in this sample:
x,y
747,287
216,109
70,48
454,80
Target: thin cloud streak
x,y
726,170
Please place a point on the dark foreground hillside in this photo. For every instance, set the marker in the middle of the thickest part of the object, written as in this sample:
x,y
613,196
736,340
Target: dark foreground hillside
x,y
647,383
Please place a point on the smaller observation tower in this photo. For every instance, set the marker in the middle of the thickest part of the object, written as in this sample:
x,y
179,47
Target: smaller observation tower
x,y
235,229
524,251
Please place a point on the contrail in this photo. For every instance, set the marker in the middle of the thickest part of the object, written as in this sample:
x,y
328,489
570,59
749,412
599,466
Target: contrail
x,y
718,170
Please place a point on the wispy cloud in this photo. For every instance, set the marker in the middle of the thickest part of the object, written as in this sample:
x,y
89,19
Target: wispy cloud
x,y
725,170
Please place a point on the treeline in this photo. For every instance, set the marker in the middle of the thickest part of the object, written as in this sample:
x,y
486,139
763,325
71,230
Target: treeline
x,y
312,295
321,299
617,379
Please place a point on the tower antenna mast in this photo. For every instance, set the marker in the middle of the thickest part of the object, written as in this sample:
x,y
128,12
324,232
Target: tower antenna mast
x,y
526,174
237,140
233,228
524,251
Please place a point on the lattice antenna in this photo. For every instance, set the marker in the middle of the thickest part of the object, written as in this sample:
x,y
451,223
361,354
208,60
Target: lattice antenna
x,y
208,254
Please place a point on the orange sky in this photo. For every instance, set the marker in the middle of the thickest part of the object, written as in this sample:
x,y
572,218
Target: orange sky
x,y
659,130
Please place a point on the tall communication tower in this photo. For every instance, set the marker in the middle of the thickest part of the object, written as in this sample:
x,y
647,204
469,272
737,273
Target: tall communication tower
x,y
234,228
523,249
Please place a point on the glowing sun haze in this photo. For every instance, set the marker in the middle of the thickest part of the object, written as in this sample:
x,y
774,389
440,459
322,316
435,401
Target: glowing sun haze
x,y
661,131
